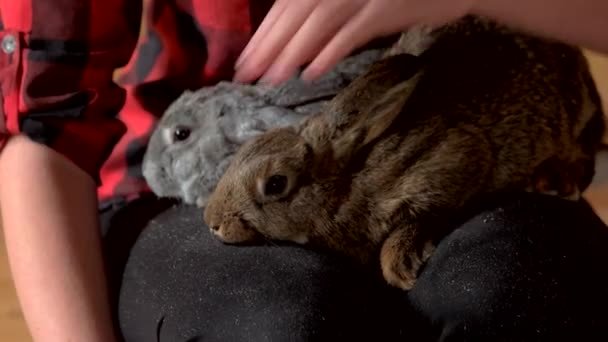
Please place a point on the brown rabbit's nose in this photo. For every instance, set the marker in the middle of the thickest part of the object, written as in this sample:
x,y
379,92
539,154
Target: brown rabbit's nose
x,y
215,227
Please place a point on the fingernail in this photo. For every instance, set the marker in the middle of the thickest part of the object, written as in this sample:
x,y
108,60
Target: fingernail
x,y
247,51
239,61
266,80
239,76
309,75
270,76
242,56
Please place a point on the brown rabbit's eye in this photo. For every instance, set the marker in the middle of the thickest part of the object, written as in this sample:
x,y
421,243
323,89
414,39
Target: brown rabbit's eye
x,y
181,133
275,185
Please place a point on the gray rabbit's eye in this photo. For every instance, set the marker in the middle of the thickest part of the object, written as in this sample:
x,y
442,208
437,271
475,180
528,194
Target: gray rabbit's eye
x,y
181,133
275,185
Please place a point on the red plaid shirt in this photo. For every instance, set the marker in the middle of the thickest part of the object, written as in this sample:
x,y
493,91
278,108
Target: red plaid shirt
x,y
86,79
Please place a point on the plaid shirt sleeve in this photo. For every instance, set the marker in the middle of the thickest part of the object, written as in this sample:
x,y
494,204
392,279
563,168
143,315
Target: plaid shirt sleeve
x,y
57,61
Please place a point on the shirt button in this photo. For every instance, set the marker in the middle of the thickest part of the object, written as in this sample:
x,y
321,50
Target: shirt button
x,y
9,43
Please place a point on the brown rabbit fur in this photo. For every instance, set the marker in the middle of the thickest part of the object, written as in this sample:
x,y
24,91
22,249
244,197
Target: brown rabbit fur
x,y
483,110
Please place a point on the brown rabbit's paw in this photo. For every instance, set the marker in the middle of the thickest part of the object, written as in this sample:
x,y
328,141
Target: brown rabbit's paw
x,y
396,273
400,264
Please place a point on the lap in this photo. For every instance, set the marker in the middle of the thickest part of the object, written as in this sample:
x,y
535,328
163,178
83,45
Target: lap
x,y
530,268
521,270
182,284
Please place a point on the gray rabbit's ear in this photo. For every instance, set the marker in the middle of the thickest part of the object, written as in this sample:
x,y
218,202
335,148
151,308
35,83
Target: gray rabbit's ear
x,y
297,93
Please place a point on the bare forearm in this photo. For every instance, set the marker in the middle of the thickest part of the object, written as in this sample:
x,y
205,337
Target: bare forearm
x,y
49,216
583,23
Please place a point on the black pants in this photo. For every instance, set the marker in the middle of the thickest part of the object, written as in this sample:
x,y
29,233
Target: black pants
x,y
525,268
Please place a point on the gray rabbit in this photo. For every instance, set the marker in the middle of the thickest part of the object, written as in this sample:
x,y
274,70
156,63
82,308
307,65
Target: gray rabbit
x,y
200,132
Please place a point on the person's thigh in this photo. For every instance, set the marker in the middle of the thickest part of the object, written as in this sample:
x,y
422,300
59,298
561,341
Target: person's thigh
x,y
182,284
531,268
121,223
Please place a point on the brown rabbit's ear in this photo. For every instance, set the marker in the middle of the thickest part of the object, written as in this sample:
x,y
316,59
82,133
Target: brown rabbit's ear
x,y
363,110
373,120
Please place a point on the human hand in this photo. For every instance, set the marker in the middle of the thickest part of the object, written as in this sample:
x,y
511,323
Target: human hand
x,y
323,32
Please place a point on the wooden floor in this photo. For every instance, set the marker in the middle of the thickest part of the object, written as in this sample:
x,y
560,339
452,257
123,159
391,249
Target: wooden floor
x,y
13,328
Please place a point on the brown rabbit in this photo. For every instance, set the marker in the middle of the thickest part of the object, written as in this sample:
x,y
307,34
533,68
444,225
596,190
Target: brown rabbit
x,y
483,110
